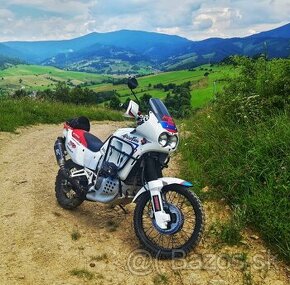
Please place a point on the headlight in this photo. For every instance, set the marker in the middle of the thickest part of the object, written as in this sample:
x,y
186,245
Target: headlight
x,y
163,139
173,140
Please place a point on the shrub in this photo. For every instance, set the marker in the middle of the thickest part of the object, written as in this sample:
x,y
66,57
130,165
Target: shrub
x,y
247,160
262,88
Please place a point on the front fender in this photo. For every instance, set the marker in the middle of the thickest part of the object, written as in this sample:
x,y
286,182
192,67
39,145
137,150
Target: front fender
x,y
165,181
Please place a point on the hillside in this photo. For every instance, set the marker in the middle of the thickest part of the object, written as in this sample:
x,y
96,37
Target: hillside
x,y
143,52
6,62
34,77
202,87
104,59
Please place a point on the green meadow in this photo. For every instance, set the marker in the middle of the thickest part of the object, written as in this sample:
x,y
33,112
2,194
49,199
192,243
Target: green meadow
x,y
19,113
203,88
35,77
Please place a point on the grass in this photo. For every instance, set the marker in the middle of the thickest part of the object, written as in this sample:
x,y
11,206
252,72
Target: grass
x,y
249,166
229,232
37,77
75,235
160,279
82,273
240,147
34,77
18,113
202,88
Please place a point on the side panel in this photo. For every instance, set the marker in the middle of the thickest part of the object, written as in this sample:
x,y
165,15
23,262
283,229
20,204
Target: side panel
x,y
79,153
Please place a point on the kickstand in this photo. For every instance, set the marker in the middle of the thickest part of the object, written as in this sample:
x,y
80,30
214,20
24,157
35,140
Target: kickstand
x,y
124,210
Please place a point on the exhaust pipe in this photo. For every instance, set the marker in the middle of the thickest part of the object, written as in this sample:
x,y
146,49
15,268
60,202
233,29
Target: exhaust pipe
x,y
60,158
59,152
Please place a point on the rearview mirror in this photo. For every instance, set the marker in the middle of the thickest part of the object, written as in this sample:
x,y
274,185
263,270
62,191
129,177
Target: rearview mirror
x,y
132,110
132,83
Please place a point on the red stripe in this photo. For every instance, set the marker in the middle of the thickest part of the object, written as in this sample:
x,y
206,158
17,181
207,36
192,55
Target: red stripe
x,y
156,203
79,135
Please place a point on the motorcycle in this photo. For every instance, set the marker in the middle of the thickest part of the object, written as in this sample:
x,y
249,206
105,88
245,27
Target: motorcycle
x,y
127,167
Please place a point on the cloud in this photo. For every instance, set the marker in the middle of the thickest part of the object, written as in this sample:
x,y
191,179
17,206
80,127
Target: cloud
x,y
71,7
152,14
194,19
202,22
238,18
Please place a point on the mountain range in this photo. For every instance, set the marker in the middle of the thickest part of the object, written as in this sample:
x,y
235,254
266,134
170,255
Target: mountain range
x,y
126,51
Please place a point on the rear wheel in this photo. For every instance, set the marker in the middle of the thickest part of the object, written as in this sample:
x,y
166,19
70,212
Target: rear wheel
x,y
185,229
65,194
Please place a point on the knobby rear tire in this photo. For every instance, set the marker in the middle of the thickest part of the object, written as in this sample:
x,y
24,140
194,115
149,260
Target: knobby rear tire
x,y
60,191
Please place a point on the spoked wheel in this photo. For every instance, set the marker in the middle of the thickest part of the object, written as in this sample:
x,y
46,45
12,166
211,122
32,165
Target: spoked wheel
x,y
183,232
65,194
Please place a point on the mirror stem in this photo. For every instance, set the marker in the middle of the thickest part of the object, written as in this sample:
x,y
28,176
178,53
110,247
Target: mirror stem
x,y
135,96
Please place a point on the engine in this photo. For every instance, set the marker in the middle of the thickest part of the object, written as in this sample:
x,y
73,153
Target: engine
x,y
107,186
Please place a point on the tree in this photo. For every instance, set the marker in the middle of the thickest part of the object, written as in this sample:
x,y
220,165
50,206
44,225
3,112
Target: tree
x,y
144,102
178,103
21,93
115,103
62,92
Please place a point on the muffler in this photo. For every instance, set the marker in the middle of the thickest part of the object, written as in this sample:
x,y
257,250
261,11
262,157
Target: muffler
x,y
60,158
59,152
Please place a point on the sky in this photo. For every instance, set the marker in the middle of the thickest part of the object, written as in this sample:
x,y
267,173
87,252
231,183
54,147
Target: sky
x,y
193,19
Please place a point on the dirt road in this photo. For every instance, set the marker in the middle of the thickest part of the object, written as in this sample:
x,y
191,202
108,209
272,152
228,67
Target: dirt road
x,y
37,236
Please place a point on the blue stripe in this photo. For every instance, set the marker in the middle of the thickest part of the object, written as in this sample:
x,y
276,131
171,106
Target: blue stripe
x,y
168,127
186,184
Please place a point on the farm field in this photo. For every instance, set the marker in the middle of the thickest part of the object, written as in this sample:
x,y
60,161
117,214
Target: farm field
x,y
36,77
203,87
205,81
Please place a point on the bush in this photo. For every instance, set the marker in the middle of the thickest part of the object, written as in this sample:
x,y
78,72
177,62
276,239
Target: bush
x,y
247,161
262,88
248,166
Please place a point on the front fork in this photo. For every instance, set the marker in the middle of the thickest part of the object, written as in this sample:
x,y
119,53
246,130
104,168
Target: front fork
x,y
161,217
152,174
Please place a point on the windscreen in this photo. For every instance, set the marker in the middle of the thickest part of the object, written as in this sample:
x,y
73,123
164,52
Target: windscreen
x,y
162,115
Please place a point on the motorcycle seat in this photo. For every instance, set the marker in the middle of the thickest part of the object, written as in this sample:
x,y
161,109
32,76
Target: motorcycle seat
x,y
80,123
93,143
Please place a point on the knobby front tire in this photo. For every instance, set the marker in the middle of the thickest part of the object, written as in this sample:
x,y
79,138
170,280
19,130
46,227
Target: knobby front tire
x,y
164,245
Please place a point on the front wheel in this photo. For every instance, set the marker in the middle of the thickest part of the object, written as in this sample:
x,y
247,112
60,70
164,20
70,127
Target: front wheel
x,y
185,229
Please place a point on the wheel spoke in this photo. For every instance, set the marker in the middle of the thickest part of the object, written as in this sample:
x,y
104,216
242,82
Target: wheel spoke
x,y
179,238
